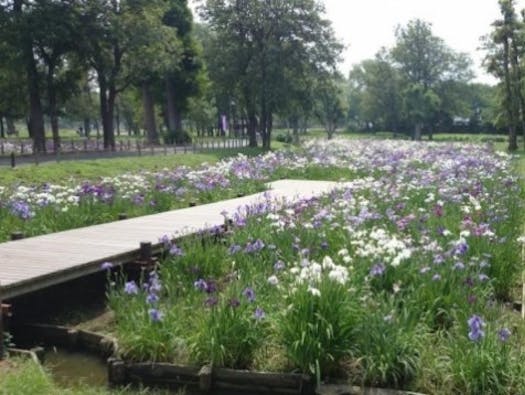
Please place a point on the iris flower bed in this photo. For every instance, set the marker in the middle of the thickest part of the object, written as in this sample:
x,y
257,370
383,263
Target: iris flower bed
x,y
44,208
399,279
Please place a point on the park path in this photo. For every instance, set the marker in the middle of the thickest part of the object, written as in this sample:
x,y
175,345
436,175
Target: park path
x,y
38,262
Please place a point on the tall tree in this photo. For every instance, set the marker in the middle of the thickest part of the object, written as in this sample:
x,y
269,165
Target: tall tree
x,y
55,26
330,102
262,43
382,88
504,48
123,34
425,62
18,33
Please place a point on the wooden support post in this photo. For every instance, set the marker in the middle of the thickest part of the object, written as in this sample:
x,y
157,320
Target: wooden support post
x,y
116,372
22,148
144,263
17,235
85,145
205,379
146,251
152,149
13,162
2,147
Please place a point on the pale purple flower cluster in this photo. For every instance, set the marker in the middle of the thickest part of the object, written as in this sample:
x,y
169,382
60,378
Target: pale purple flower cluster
x,y
153,288
255,246
22,210
131,288
476,325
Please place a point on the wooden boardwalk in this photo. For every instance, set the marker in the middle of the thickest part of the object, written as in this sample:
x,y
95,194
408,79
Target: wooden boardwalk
x,y
38,262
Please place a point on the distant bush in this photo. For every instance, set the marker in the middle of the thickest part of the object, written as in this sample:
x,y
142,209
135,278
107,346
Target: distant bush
x,y
284,138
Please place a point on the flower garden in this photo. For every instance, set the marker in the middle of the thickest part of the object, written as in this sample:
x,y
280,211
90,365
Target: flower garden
x,y
402,278
44,208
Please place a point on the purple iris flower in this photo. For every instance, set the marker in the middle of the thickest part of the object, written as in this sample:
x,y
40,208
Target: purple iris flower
x,y
176,251
476,325
279,265
234,249
249,294
504,334
131,288
377,270
201,285
259,314
155,315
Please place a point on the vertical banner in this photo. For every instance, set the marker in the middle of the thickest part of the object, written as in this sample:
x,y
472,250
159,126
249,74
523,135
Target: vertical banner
x,y
224,124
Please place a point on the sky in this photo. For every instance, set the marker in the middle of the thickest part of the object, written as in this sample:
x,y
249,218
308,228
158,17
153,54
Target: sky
x,y
364,26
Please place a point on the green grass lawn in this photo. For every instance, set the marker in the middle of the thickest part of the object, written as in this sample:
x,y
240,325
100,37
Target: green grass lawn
x,y
93,169
24,377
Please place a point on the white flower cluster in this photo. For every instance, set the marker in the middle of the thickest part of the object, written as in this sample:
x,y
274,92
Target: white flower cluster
x,y
378,244
311,272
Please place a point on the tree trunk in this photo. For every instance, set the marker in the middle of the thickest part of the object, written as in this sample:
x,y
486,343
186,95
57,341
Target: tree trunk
x,y
117,118
149,114
511,105
330,131
295,129
87,127
178,123
103,108
431,133
107,105
2,131
417,131
11,130
269,129
517,86
252,128
171,109
36,115
394,129
112,96
53,112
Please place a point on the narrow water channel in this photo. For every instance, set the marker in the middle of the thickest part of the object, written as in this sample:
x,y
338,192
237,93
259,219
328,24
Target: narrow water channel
x,y
70,368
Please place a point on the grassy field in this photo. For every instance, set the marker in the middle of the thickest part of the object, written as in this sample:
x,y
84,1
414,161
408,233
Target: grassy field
x,y
92,169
